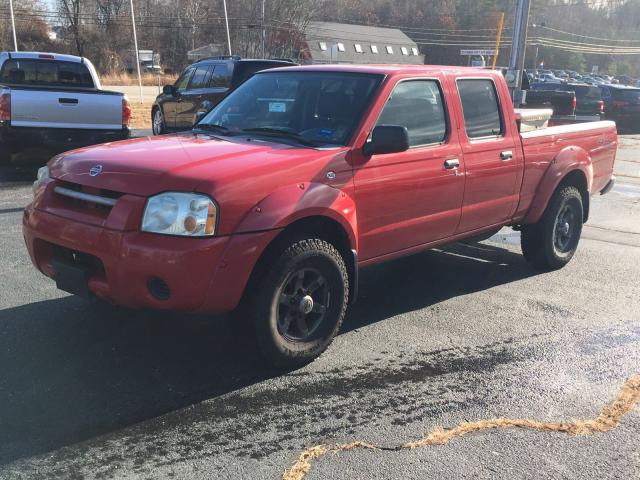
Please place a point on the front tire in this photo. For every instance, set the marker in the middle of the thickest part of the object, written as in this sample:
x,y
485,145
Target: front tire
x,y
551,243
157,122
300,302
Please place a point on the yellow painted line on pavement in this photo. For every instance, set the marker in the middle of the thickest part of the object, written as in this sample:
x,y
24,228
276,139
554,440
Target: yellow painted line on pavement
x,y
608,419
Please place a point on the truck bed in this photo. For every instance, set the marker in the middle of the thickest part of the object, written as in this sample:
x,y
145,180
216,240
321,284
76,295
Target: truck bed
x,y
598,139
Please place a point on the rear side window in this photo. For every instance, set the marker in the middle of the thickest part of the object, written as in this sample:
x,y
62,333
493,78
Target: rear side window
x,y
480,107
629,95
221,77
200,77
417,105
48,73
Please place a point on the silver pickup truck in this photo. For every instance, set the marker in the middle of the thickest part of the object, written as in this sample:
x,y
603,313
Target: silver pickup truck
x,y
56,102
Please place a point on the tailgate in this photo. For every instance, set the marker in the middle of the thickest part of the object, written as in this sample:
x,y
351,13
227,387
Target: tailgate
x,y
74,109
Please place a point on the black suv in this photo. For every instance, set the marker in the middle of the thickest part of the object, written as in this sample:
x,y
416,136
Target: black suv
x,y
622,105
200,87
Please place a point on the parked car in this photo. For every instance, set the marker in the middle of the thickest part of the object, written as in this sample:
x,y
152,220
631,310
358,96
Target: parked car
x,y
300,177
622,105
587,106
552,95
200,87
56,101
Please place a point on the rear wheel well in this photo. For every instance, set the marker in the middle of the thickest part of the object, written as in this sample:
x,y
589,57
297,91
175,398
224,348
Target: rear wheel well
x,y
577,178
320,227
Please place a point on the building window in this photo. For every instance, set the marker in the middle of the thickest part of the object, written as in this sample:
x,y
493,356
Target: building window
x,y
358,47
414,50
341,47
374,49
389,49
323,46
404,51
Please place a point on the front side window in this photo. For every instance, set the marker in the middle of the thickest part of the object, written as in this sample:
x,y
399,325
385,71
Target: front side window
x,y
418,106
317,108
480,107
183,81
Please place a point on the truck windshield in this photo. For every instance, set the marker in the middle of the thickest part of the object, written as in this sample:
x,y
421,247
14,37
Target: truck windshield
x,y
315,108
48,73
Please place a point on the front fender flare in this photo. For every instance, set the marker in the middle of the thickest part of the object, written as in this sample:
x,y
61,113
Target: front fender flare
x,y
295,202
569,159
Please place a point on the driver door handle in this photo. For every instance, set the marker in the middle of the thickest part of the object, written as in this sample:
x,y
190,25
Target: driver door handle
x,y
451,163
506,155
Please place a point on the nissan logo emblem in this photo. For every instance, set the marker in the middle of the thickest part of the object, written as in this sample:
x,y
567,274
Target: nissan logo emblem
x,y
95,171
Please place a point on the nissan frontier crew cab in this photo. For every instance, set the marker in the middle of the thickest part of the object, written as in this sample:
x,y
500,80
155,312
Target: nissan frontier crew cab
x,y
300,177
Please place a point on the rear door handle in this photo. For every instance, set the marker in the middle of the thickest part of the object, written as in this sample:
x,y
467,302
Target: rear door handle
x,y
68,101
451,164
506,155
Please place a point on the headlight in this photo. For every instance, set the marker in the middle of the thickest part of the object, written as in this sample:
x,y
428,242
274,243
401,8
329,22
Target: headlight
x,y
173,213
43,174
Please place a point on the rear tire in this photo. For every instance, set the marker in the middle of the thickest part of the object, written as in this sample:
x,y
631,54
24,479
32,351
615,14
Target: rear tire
x,y
299,304
551,243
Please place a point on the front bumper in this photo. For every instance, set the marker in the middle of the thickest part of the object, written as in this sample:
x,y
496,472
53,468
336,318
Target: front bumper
x,y
201,275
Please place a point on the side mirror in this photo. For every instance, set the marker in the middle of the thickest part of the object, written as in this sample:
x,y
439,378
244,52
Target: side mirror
x,y
199,116
387,139
169,90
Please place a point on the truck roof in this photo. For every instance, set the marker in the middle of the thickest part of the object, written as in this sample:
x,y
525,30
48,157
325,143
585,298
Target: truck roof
x,y
385,69
38,55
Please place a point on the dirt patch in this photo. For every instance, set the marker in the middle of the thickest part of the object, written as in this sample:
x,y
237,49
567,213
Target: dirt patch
x,y
141,115
608,419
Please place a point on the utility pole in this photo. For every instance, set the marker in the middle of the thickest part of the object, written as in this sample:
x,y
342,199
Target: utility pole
x,y
498,40
226,21
13,26
518,47
135,43
264,34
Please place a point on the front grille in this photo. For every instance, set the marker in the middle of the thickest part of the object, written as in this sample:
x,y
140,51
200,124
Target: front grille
x,y
89,199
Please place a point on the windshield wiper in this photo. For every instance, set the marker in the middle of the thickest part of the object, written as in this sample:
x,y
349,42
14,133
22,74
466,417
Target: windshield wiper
x,y
276,132
213,126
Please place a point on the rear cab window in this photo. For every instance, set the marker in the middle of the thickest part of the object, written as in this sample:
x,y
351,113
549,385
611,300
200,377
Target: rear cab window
x,y
417,105
481,108
46,73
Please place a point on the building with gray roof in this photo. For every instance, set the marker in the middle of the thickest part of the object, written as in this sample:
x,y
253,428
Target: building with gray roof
x,y
330,42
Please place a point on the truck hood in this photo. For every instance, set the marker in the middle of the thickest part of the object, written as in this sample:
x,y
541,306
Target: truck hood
x,y
146,166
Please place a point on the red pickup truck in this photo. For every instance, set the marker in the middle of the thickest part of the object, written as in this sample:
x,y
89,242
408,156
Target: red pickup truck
x,y
300,177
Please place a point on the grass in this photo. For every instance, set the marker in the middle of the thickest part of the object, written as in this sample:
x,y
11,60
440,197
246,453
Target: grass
x,y
124,79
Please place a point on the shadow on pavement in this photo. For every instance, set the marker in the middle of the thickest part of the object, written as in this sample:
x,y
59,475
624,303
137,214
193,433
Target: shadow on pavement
x,y
72,369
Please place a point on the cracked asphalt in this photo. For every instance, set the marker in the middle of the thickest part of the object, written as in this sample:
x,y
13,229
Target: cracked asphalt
x,y
461,333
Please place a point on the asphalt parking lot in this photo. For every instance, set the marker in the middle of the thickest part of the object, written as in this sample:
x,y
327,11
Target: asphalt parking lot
x,y
463,333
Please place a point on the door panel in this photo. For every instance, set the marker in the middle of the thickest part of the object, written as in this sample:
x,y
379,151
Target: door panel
x,y
493,161
171,103
410,198
407,199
